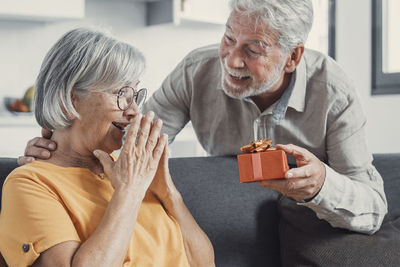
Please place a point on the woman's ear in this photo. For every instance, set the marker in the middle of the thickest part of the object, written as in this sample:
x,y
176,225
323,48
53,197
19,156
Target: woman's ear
x,y
73,96
294,58
74,99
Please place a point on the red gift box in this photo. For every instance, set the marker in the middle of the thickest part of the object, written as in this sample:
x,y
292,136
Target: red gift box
x,y
261,166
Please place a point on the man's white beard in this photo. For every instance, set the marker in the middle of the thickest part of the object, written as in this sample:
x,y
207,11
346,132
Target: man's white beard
x,y
240,92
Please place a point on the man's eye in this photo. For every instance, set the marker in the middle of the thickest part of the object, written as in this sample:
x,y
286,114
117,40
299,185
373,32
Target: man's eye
x,y
253,52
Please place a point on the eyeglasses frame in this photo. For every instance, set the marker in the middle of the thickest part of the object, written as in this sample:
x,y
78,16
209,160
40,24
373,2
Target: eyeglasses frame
x,y
134,98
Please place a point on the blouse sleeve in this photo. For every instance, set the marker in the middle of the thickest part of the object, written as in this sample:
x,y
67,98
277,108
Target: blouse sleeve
x,y
32,219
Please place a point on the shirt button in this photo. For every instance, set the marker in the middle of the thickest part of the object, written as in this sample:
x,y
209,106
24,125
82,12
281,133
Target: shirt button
x,y
25,247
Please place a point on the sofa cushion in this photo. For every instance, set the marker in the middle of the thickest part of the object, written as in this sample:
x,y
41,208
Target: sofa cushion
x,y
306,240
241,220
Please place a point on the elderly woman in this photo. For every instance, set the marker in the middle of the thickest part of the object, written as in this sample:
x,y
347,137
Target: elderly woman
x,y
83,206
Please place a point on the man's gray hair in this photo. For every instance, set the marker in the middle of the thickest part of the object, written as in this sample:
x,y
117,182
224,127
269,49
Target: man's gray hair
x,y
82,60
291,19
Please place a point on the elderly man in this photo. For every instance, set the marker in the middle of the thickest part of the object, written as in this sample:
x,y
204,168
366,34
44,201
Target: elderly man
x,y
261,70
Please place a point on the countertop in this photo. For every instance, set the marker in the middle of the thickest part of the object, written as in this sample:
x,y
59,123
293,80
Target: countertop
x,y
9,119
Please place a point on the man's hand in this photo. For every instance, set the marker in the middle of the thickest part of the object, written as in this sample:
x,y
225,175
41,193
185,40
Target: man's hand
x,y
38,147
303,182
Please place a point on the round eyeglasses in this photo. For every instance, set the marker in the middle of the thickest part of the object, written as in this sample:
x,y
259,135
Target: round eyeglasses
x,y
127,94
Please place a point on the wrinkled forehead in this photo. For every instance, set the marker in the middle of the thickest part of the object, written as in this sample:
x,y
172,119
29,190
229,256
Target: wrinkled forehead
x,y
242,23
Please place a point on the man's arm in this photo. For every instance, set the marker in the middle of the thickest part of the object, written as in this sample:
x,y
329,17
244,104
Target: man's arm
x,y
348,191
353,195
171,102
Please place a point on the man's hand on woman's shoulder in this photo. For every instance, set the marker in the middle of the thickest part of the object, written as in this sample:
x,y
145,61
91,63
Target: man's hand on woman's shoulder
x,y
38,148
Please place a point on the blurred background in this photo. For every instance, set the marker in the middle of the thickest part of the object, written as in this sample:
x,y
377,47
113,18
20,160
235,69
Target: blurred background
x,y
360,34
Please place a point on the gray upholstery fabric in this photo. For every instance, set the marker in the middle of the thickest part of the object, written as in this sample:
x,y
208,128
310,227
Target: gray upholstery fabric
x,y
6,166
240,219
307,241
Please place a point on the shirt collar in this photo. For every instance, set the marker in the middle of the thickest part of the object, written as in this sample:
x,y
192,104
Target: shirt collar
x,y
279,110
298,95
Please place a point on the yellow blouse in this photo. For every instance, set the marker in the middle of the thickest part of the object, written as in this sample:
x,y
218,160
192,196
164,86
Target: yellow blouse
x,y
44,205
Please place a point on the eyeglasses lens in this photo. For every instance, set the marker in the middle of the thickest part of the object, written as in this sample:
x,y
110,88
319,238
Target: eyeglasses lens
x,y
126,95
141,96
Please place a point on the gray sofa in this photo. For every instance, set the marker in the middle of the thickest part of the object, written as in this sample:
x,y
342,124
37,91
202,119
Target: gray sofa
x,y
252,226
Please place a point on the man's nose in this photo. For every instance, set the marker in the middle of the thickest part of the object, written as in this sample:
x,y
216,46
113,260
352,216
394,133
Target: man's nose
x,y
234,59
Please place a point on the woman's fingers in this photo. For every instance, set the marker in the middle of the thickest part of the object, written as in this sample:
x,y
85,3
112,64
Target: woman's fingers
x,y
140,155
104,159
160,147
154,135
130,140
145,127
165,156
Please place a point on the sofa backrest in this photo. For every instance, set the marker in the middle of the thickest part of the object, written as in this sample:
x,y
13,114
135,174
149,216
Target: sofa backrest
x,y
6,166
242,220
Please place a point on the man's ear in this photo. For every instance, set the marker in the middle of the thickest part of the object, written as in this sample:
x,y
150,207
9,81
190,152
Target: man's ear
x,y
294,58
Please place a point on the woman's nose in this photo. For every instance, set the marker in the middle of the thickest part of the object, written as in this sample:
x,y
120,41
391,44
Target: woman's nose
x,y
132,110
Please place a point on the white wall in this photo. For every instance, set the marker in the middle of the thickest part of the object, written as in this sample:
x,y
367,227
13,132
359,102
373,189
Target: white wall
x,y
165,45
23,45
353,52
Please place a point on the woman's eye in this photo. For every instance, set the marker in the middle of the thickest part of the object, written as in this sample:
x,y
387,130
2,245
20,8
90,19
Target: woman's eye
x,y
229,39
121,92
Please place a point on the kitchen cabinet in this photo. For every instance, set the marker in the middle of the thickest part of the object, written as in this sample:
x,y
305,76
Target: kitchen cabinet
x,y
208,11
162,11
41,10
177,11
157,11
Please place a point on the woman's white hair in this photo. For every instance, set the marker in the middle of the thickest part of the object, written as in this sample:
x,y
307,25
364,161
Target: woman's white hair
x,y
291,19
82,60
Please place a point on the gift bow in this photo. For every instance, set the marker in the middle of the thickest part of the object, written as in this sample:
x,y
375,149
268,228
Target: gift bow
x,y
261,145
